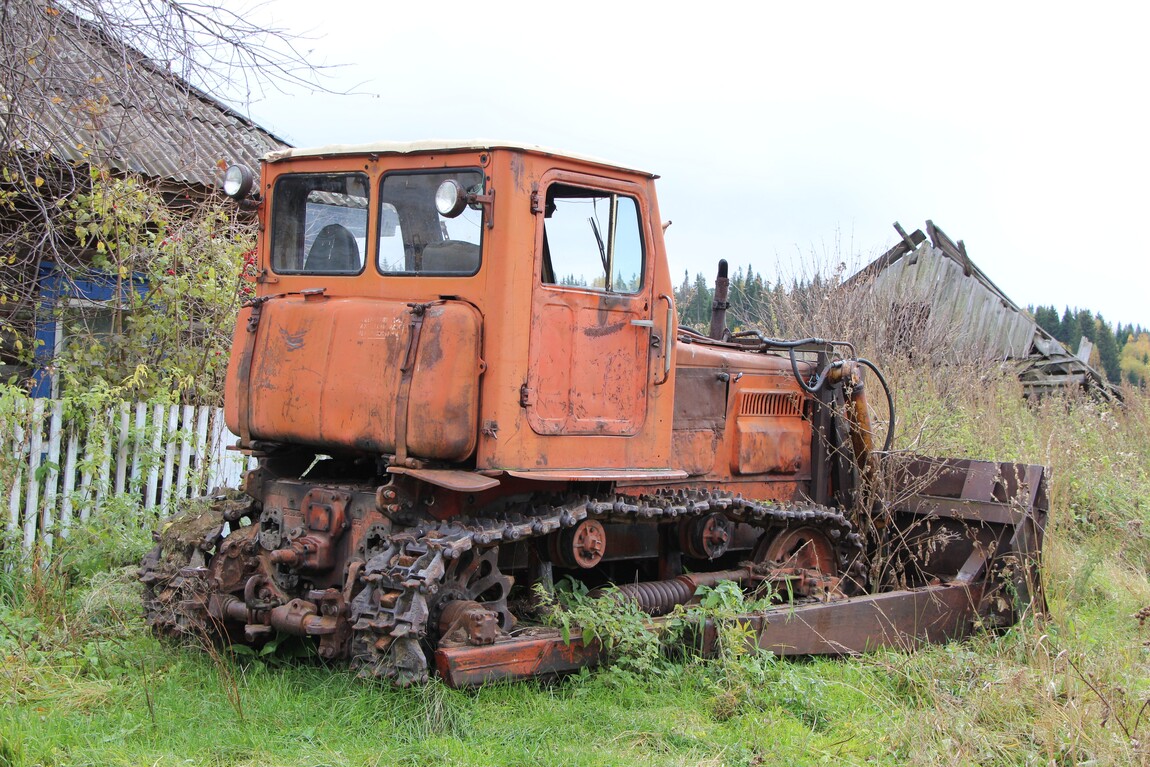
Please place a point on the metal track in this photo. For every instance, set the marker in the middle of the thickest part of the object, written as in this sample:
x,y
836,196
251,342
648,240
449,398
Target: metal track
x,y
175,572
392,614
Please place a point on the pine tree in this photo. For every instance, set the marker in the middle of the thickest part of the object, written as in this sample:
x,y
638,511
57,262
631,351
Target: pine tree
x,y
1068,331
1086,324
698,310
1046,318
1108,351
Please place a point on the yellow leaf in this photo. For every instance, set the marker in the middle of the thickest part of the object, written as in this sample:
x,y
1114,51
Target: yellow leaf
x,y
39,182
123,272
19,345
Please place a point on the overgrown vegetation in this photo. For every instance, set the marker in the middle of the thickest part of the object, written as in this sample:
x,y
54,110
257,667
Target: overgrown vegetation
x,y
150,312
174,278
82,683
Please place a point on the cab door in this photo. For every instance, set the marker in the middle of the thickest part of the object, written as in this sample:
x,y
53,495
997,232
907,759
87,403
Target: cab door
x,y
589,367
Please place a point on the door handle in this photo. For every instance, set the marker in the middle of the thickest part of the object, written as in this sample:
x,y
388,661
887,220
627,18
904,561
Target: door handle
x,y
669,336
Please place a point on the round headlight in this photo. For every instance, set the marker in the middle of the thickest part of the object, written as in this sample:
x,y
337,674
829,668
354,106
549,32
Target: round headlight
x,y
450,199
238,180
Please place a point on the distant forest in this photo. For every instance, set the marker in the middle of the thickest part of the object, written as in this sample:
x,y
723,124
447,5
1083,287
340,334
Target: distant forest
x,y
1121,352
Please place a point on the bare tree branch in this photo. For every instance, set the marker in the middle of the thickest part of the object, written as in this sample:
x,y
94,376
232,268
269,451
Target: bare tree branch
x,y
132,86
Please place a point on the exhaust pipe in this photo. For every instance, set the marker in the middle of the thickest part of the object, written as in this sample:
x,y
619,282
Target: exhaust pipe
x,y
720,305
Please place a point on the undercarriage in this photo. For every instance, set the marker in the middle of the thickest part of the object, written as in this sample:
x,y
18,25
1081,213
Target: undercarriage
x,y
400,593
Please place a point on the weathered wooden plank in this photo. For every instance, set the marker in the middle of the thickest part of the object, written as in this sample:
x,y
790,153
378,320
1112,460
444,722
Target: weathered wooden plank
x,y
139,436
187,426
167,479
150,458
203,458
123,447
69,483
16,448
35,456
52,475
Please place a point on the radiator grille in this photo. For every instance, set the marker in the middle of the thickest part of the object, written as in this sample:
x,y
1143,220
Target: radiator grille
x,y
771,403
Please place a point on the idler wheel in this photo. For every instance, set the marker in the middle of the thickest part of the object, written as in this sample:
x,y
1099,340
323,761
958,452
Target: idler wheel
x,y
580,546
707,537
801,548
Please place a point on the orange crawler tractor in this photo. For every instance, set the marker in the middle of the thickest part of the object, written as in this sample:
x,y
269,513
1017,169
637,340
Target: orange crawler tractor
x,y
463,379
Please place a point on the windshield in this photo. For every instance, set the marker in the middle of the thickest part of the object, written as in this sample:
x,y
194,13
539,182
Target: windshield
x,y
320,223
415,239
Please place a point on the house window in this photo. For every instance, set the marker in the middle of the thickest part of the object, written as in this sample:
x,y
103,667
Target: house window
x,y
592,239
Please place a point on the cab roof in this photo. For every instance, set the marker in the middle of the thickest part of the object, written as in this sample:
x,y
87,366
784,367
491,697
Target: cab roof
x,y
439,145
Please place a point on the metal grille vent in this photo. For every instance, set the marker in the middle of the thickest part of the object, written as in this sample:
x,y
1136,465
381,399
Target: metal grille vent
x,y
771,403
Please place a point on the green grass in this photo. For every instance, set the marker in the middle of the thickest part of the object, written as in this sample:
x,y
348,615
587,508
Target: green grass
x,y
82,684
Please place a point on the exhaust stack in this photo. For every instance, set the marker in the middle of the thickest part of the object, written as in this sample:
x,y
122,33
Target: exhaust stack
x,y
720,304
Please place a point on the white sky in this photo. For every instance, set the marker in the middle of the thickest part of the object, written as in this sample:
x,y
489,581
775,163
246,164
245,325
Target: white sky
x,y
788,136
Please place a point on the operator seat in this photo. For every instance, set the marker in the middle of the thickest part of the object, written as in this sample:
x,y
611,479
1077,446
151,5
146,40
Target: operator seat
x,y
451,256
334,250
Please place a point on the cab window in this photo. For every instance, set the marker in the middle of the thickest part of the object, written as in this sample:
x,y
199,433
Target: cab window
x,y
319,223
592,240
415,239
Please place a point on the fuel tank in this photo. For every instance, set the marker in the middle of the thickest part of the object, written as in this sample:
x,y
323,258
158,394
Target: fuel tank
x,y
357,374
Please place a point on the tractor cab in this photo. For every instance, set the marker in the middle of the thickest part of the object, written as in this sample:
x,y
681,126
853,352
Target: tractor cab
x,y
468,305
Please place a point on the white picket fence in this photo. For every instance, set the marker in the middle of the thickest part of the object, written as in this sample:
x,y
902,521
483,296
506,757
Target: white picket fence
x,y
55,469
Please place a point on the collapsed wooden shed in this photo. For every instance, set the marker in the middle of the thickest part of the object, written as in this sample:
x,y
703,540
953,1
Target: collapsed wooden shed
x,y
941,303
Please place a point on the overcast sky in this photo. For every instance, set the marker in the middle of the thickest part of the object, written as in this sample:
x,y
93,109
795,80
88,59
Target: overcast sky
x,y
788,137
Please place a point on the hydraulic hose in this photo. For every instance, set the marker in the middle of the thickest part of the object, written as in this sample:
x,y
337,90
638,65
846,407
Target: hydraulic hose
x,y
889,400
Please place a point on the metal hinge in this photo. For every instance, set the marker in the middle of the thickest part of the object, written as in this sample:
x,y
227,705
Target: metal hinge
x,y
536,206
524,396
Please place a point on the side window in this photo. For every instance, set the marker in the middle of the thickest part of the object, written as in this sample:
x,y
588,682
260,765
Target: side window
x,y
592,239
319,223
415,239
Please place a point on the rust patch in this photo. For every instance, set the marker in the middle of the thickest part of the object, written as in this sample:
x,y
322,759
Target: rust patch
x,y
432,351
517,171
604,330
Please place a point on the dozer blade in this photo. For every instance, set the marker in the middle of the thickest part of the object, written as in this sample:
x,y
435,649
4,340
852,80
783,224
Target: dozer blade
x,y
958,549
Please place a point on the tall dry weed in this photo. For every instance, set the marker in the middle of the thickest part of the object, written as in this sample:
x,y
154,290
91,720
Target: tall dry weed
x,y
1074,688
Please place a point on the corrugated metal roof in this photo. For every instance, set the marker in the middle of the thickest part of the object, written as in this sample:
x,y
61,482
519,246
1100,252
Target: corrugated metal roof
x,y
102,102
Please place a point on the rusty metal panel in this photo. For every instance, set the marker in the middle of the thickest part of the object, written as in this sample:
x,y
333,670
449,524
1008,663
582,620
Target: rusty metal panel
x,y
327,372
770,433
899,619
519,658
700,399
451,479
695,451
